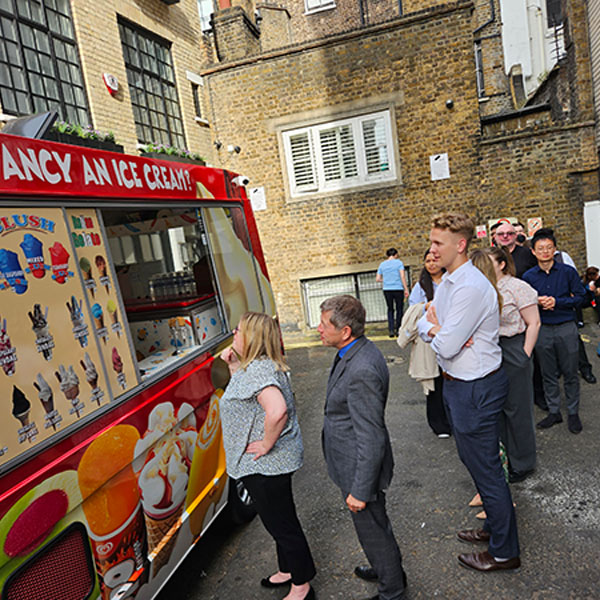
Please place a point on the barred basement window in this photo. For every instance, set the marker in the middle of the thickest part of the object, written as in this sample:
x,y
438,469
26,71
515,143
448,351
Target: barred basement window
x,y
362,285
341,154
151,80
39,60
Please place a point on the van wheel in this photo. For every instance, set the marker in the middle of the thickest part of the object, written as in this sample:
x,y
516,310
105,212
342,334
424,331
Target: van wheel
x,y
241,505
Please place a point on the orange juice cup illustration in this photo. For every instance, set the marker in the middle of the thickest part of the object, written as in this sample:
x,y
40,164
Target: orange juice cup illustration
x,y
112,506
168,445
206,457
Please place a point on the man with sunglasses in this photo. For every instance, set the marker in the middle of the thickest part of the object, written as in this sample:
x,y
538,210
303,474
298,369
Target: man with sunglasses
x,y
506,237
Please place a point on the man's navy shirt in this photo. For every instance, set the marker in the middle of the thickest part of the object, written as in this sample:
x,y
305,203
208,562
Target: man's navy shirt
x,y
563,283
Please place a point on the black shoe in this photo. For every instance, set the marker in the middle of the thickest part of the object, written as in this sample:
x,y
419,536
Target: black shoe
x,y
391,334
579,324
517,476
588,376
551,419
366,573
574,424
266,582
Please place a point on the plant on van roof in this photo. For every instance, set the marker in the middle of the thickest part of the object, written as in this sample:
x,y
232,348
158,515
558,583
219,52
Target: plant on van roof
x,y
152,147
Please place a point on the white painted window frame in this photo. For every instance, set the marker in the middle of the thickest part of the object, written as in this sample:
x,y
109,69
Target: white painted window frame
x,y
363,178
322,5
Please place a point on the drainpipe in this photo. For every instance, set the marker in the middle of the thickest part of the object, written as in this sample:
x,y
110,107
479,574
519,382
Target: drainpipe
x,y
541,37
490,20
361,10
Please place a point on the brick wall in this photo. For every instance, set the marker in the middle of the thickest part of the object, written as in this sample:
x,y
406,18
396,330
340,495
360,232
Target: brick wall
x,y
100,50
413,66
527,166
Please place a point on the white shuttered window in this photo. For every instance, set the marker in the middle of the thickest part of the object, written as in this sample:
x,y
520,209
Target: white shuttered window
x,y
339,155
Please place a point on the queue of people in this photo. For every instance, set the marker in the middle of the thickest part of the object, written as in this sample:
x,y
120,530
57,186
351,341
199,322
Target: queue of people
x,y
475,320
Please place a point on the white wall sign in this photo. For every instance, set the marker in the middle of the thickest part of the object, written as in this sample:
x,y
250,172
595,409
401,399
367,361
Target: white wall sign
x,y
438,164
258,199
481,231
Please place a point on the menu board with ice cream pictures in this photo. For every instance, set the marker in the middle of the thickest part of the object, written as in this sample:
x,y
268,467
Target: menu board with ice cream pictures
x,y
51,374
103,298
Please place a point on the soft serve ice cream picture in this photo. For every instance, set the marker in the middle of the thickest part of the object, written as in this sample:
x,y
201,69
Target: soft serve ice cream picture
x,y
51,370
8,353
43,340
168,446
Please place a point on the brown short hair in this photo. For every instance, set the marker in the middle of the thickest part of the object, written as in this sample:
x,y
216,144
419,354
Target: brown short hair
x,y
346,311
501,255
456,223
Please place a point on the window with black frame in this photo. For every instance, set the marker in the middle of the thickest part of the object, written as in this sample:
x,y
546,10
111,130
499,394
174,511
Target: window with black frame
x,y
152,88
40,68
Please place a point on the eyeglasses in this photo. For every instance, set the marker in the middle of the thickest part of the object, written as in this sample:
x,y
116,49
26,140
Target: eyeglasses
x,y
505,233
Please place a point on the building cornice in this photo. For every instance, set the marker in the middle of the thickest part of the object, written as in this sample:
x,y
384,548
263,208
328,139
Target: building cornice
x,y
397,23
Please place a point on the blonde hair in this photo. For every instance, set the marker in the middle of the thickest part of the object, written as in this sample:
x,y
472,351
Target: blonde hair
x,y
456,223
481,259
262,338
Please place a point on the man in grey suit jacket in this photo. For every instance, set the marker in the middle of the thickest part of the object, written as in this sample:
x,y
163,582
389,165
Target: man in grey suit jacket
x,y
356,443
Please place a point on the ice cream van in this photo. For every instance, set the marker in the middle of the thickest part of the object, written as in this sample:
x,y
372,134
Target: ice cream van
x,y
121,280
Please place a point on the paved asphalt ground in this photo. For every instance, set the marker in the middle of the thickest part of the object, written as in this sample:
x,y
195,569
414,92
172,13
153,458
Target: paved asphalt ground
x,y
558,508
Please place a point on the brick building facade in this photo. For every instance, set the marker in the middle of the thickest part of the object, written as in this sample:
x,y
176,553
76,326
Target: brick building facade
x,y
338,108
515,148
93,34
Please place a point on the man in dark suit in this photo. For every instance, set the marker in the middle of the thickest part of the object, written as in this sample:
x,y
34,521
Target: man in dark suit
x,y
356,443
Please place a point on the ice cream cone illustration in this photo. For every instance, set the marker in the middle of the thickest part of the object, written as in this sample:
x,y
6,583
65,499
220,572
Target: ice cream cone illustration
x,y
118,367
69,385
60,262
80,329
113,313
34,254
11,269
44,341
98,315
168,444
208,453
45,393
46,396
86,269
8,354
21,406
91,374
101,266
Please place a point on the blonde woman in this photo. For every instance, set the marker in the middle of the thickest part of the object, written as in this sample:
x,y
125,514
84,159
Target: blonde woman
x,y
263,444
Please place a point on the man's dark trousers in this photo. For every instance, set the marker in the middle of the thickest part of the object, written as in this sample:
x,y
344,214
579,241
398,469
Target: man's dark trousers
x,y
557,348
376,537
394,297
473,408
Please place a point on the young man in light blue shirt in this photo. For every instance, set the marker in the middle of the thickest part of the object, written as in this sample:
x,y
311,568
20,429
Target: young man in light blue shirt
x,y
391,273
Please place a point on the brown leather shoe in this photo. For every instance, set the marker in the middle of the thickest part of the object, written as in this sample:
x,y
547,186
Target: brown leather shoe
x,y
473,535
484,561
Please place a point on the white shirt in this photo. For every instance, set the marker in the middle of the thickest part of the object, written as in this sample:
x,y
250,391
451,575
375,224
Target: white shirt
x,y
466,305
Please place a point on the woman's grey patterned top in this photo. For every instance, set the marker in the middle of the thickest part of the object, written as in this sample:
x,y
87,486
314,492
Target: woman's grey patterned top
x,y
243,421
